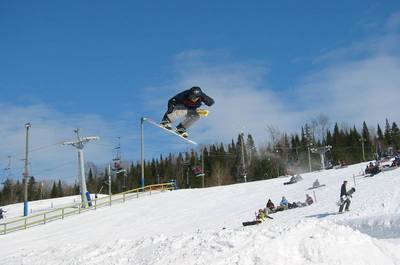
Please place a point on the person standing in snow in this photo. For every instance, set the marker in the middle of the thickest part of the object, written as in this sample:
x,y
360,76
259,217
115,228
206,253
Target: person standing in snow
x,y
184,105
344,198
2,216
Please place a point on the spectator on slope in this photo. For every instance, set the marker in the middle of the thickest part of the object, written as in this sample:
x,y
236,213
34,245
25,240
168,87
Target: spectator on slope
x,y
372,169
344,198
261,216
284,201
396,161
309,200
283,205
292,205
316,184
270,206
2,215
292,180
367,168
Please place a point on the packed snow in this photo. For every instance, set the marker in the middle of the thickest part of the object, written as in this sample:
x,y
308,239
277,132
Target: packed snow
x,y
204,226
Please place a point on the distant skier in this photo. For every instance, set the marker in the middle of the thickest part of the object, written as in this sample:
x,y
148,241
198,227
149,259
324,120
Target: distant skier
x,y
344,198
184,105
2,215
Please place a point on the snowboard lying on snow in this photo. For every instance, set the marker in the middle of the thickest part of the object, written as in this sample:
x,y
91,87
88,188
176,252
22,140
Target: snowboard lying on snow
x,y
316,187
256,222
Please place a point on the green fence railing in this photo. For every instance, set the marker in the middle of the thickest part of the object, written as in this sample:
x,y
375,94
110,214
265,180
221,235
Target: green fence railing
x,y
60,213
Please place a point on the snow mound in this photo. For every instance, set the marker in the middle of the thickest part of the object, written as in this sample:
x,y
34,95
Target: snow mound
x,y
383,227
307,242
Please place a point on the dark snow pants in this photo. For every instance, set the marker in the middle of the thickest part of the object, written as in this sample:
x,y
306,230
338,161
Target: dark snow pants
x,y
345,202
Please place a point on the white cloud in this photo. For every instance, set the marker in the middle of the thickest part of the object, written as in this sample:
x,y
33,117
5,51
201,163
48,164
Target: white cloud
x,y
357,83
48,158
243,99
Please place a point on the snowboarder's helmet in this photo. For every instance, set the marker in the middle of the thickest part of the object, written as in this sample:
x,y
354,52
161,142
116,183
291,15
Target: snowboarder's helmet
x,y
195,92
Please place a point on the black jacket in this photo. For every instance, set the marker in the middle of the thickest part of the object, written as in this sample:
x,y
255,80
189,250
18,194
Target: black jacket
x,y
183,98
343,191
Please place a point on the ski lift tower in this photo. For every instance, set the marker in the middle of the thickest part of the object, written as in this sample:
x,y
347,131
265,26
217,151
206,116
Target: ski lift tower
x,y
117,167
79,143
243,169
322,151
7,170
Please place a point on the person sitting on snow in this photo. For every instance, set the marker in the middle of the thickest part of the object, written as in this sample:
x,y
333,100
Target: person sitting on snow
x,y
270,206
284,203
292,205
261,216
309,200
316,184
292,180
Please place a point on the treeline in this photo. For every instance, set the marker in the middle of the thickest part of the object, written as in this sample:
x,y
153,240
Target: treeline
x,y
13,191
236,162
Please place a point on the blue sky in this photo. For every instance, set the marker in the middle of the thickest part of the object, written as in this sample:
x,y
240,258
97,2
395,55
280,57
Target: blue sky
x,y
101,65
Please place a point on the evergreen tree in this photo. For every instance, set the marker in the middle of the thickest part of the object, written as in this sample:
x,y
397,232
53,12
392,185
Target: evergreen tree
x,y
388,134
379,140
8,193
379,133
60,191
32,189
54,191
396,136
366,137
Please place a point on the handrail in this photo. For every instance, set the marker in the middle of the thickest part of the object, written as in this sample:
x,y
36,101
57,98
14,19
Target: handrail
x,y
59,213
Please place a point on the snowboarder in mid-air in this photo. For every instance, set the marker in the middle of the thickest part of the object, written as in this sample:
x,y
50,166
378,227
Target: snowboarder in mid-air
x,y
184,105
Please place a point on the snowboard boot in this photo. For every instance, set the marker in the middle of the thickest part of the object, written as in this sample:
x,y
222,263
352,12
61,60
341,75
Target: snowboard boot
x,y
181,131
166,123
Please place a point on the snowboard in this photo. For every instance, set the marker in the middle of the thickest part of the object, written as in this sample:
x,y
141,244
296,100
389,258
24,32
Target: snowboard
x,y
349,193
311,188
170,131
256,222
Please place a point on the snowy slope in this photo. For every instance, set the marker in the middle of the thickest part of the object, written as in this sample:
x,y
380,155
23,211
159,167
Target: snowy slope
x,y
203,226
